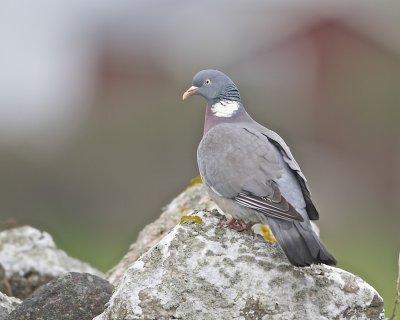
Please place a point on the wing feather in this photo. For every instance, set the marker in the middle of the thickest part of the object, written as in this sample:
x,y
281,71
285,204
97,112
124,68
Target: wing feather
x,y
242,164
266,206
275,139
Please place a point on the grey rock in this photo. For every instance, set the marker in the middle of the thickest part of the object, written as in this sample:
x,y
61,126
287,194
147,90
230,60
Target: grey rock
x,y
71,296
7,304
4,284
194,197
204,271
30,259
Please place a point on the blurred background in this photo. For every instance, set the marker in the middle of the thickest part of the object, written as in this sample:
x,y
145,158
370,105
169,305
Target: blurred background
x,y
95,140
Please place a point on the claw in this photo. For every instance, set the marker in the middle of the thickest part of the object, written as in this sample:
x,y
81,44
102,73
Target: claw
x,y
227,222
238,225
249,229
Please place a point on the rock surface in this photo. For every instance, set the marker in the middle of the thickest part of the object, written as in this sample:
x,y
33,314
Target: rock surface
x,y
7,304
203,271
30,259
69,297
4,284
194,197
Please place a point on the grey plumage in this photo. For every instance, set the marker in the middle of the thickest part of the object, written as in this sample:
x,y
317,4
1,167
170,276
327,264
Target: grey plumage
x,y
251,174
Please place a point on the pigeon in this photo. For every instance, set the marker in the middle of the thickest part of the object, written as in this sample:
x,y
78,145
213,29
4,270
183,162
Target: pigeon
x,y
251,174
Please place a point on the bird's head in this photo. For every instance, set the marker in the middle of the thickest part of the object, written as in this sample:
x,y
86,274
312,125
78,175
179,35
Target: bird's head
x,y
214,86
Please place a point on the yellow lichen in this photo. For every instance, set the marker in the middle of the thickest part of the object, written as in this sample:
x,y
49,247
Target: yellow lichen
x,y
267,233
195,219
195,181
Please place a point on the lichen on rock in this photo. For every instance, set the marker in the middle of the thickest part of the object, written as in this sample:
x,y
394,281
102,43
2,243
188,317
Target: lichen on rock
x,y
30,259
71,296
204,271
7,305
195,197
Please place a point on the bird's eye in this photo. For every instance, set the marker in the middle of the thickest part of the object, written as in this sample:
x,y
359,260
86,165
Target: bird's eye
x,y
207,82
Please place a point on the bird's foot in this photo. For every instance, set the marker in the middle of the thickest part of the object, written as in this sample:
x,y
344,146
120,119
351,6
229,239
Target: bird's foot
x,y
249,228
225,222
238,225
234,224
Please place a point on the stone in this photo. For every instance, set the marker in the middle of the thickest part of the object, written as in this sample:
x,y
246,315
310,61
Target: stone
x,y
68,297
30,259
205,271
5,286
7,304
194,197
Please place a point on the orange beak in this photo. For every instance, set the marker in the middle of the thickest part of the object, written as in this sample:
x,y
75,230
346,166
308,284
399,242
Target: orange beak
x,y
191,91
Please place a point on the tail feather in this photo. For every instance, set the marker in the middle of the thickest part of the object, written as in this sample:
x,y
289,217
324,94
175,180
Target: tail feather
x,y
300,243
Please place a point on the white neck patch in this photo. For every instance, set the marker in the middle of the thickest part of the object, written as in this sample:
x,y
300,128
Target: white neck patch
x,y
225,109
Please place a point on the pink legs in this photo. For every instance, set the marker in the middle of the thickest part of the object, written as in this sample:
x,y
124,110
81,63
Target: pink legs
x,y
238,225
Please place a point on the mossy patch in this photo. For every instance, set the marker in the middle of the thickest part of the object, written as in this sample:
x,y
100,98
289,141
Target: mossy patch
x,y
195,181
267,233
191,219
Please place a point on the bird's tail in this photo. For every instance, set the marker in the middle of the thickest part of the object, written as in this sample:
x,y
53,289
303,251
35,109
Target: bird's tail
x,y
300,243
